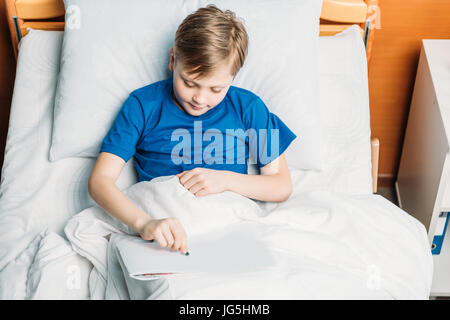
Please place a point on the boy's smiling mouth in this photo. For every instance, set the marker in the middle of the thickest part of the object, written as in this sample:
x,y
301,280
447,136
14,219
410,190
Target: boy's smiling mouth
x,y
183,108
195,107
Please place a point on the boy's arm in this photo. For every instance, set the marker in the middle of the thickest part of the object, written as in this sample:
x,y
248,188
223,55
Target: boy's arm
x,y
274,183
102,187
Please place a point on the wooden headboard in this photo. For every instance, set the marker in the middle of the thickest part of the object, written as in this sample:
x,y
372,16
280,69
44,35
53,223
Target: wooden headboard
x,y
336,16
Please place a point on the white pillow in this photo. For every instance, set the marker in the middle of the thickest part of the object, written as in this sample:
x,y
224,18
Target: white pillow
x,y
113,47
344,105
346,111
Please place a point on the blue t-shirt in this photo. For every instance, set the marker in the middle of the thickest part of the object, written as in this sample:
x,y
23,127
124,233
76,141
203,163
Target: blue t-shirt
x,y
166,140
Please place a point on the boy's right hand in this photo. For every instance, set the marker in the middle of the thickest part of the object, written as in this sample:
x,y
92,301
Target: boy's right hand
x,y
168,232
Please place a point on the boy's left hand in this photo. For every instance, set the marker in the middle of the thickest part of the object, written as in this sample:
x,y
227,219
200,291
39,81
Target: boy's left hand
x,y
202,181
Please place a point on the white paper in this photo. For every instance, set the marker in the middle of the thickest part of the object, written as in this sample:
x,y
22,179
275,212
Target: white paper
x,y
237,248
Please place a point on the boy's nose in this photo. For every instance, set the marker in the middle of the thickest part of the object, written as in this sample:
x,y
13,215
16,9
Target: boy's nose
x,y
199,99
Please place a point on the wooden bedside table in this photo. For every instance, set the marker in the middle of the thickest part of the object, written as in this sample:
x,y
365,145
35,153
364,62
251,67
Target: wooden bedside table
x,y
422,184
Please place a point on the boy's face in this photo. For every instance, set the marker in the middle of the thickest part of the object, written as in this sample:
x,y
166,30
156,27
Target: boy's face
x,y
198,96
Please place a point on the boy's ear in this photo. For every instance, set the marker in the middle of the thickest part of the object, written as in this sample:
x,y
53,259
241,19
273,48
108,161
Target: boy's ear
x,y
171,60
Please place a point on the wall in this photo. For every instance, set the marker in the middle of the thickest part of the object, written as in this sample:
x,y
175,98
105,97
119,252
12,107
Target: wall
x,y
395,56
7,74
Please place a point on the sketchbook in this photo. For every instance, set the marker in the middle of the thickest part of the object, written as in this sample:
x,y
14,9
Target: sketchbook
x,y
235,248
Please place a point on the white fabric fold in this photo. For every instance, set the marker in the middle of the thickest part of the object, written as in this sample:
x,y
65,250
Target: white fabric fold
x,y
327,246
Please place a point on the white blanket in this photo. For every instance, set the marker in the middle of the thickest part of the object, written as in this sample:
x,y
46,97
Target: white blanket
x,y
326,245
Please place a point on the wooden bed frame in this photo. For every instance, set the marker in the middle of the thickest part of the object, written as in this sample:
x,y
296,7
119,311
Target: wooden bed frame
x,y
336,16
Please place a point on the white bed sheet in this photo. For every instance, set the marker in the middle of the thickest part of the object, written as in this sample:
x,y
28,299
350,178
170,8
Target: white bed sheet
x,y
38,197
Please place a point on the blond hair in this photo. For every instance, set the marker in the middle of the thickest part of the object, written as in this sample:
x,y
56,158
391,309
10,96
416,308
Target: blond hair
x,y
208,38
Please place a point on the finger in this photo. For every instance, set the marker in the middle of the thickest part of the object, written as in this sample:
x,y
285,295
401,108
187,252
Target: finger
x,y
168,236
189,174
202,192
177,236
180,237
161,240
178,242
179,175
196,188
184,246
196,180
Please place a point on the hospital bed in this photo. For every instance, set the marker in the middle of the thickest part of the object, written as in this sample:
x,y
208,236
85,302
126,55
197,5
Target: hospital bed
x,y
38,197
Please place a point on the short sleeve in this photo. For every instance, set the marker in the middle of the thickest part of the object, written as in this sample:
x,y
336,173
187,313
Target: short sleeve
x,y
126,130
268,135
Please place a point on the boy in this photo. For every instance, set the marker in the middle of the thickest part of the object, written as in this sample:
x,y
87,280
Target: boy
x,y
210,47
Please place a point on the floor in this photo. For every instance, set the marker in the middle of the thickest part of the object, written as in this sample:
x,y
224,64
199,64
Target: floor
x,y
388,193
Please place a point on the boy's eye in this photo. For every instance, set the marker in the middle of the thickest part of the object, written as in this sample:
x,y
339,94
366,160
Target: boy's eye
x,y
191,86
